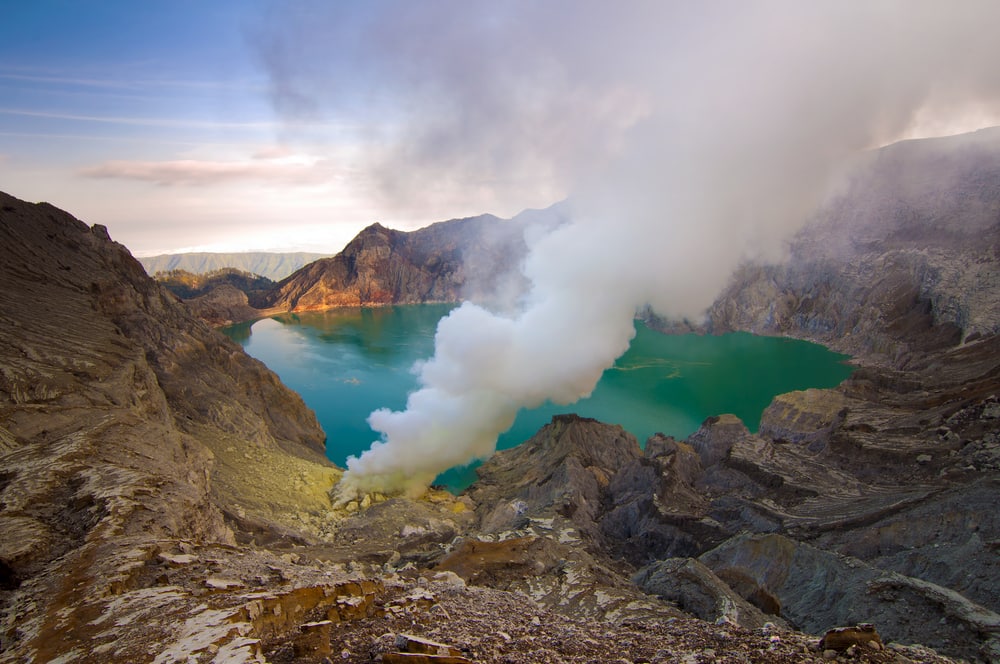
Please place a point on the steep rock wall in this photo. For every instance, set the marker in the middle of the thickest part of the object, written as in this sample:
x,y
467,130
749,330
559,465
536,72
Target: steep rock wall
x,y
124,421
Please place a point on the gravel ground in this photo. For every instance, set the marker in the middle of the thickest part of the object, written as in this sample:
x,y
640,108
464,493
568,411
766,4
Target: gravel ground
x,y
508,628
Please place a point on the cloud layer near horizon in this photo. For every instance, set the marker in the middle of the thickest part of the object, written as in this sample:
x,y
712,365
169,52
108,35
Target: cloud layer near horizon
x,y
206,173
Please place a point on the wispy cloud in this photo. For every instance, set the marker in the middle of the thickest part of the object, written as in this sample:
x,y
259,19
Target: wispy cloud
x,y
133,84
138,121
65,80
300,170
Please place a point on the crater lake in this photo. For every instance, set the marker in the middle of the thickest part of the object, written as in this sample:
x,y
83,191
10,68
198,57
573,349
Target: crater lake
x,y
348,362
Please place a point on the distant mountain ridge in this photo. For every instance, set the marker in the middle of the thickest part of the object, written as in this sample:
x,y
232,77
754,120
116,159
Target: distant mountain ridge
x,y
273,265
472,258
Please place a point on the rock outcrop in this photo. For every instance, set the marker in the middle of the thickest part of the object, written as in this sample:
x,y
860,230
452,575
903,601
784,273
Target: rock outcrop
x,y
224,305
474,258
696,589
821,588
561,473
126,424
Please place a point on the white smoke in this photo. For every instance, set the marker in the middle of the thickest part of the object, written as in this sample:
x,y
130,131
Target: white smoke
x,y
689,137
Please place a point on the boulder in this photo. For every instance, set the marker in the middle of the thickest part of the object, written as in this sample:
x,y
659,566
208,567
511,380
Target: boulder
x,y
563,471
716,437
807,417
694,588
842,638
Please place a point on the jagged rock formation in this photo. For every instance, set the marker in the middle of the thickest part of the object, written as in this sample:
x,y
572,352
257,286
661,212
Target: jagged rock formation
x,y
476,258
274,266
473,258
698,590
843,537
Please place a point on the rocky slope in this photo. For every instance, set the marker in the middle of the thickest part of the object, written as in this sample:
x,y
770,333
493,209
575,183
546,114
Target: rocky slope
x,y
904,259
872,499
128,427
473,258
188,285
163,498
223,305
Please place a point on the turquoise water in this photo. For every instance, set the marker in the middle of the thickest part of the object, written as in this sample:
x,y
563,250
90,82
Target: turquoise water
x,y
348,362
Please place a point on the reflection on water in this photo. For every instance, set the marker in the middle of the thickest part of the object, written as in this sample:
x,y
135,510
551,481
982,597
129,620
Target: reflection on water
x,y
240,333
347,362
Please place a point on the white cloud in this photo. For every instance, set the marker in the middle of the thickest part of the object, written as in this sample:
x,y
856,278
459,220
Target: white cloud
x,y
290,169
173,123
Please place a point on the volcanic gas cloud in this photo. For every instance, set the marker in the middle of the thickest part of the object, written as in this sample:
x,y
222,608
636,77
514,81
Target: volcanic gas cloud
x,y
687,136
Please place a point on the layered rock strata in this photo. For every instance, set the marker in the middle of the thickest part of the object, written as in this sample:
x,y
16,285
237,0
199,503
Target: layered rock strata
x,y
126,422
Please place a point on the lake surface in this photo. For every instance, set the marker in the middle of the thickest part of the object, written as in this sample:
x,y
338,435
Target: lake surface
x,y
348,362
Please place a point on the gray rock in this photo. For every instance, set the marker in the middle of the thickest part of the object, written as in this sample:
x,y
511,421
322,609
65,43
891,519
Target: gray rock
x,y
694,588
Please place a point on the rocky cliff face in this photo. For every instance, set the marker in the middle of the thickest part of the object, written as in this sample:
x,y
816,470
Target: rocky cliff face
x,y
869,503
223,305
903,260
127,425
474,258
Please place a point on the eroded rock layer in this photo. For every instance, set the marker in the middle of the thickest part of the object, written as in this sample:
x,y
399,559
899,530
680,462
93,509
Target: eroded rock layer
x,y
126,422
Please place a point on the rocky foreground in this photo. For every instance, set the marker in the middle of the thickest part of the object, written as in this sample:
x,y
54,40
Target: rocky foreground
x,y
163,498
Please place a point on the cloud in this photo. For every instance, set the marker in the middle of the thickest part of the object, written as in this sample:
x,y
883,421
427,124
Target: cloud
x,y
46,78
689,137
173,123
289,169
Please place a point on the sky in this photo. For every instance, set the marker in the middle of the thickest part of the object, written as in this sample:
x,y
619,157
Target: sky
x,y
160,120
257,125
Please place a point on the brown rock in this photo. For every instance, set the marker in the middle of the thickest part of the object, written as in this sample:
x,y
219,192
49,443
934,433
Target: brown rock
x,y
468,258
223,305
482,562
842,638
421,658
314,640
409,643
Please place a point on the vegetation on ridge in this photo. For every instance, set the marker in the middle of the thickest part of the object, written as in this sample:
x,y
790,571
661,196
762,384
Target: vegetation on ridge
x,y
187,285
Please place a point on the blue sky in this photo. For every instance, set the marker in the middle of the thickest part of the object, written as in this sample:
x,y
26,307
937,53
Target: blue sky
x,y
257,124
158,120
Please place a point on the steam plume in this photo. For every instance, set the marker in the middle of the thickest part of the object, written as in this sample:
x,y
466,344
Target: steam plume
x,y
688,137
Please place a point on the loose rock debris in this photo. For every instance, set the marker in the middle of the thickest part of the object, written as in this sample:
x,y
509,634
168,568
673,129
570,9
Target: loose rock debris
x,y
424,622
